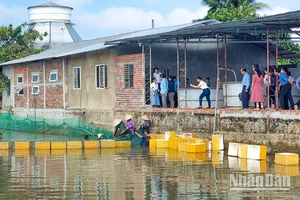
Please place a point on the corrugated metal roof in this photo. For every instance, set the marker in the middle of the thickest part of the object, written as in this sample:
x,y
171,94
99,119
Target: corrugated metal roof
x,y
195,30
67,49
156,33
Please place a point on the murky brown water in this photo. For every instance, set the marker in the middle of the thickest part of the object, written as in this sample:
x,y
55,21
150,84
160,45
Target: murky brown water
x,y
137,173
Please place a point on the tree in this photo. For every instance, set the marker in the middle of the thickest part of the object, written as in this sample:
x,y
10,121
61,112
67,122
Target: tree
x,y
232,9
230,14
18,42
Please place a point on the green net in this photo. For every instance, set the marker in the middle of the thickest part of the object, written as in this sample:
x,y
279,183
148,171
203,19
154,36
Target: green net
x,y
71,126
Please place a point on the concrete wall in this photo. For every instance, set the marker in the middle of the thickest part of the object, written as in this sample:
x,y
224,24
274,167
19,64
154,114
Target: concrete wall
x,y
237,126
89,97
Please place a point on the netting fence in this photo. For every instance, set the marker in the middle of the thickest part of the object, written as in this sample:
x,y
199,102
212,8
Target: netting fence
x,y
70,126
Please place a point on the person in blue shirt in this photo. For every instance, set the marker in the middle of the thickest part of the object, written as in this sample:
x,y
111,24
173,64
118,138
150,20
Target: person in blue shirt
x,y
245,88
164,90
286,88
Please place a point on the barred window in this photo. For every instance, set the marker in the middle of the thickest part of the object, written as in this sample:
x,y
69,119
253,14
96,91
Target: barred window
x,y
101,76
76,78
128,75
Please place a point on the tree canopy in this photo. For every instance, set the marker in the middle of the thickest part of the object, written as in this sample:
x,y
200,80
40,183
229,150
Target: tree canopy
x,y
229,10
18,42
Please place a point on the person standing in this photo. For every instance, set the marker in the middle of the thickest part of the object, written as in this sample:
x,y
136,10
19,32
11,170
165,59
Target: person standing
x,y
171,91
154,93
246,88
164,90
257,96
270,83
206,91
156,74
285,91
176,95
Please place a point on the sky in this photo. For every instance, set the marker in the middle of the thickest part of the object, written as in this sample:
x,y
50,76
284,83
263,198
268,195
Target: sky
x,y
99,18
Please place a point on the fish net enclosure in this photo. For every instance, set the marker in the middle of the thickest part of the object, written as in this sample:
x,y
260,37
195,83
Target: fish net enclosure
x,y
69,127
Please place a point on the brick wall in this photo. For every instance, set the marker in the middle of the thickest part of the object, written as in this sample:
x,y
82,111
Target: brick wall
x,y
129,97
53,92
21,100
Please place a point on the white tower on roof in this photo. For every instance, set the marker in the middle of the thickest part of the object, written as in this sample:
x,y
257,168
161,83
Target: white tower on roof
x,y
56,21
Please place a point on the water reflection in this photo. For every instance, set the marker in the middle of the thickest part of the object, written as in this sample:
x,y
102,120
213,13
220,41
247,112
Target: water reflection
x,y
132,174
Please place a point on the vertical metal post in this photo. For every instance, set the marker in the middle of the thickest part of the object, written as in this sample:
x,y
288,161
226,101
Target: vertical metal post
x,y
178,76
276,58
185,76
217,87
268,65
225,74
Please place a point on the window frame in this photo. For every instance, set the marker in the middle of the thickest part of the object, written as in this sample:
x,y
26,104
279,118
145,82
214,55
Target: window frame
x,y
38,90
104,83
128,75
20,76
53,72
35,74
18,90
79,88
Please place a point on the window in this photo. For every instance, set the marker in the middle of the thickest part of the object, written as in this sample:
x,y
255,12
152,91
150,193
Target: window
x,y
19,90
101,76
128,75
20,79
35,89
53,76
76,78
35,78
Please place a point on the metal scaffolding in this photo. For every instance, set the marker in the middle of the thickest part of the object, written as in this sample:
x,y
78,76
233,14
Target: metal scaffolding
x,y
146,48
181,73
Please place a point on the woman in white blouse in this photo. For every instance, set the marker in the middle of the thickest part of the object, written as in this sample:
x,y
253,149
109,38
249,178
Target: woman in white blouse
x,y
154,93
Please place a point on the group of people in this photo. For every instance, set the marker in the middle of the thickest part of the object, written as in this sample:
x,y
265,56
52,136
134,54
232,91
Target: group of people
x,y
280,77
128,130
163,90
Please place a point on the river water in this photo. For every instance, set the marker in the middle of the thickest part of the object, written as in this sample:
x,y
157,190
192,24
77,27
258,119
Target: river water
x,y
137,173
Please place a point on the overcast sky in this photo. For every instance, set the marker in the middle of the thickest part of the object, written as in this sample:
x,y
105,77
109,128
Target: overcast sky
x,y
97,18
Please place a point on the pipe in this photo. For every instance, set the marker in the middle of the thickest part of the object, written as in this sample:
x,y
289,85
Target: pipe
x,y
231,71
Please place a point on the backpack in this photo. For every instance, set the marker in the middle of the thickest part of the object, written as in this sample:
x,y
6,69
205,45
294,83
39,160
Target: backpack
x,y
273,80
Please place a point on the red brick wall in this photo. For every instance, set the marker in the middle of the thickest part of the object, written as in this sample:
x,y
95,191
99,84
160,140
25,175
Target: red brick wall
x,y
129,97
54,90
54,96
21,100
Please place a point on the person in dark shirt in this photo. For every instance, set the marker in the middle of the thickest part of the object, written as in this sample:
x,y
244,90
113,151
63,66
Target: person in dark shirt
x,y
171,91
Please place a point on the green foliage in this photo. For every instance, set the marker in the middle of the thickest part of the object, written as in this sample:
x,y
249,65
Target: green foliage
x,y
18,42
4,82
229,10
231,14
293,47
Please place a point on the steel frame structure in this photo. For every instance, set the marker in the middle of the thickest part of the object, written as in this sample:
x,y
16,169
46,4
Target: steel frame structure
x,y
147,55
181,73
